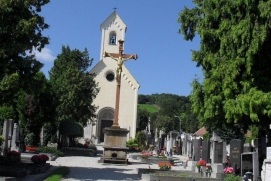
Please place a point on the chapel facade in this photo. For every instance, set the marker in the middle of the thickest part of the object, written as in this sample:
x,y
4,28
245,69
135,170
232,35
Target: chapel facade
x,y
114,29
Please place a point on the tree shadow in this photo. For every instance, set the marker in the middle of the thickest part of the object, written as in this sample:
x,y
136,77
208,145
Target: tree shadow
x,y
91,174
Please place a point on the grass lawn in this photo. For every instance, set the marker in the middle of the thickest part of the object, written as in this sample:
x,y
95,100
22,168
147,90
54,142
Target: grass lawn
x,y
58,174
148,107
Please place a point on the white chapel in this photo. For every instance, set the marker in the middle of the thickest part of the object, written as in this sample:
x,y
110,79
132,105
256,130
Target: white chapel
x,y
114,29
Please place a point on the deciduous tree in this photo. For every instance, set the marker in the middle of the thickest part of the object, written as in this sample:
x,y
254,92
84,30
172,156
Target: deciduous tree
x,y
235,58
74,87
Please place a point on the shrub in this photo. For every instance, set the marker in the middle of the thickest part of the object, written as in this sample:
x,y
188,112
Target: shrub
x,y
42,158
29,139
2,139
131,143
46,149
141,139
13,153
71,128
231,177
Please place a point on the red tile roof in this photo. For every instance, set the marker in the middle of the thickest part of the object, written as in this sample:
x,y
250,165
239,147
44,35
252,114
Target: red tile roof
x,y
201,131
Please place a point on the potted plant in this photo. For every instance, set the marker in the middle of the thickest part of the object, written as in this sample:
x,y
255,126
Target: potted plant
x,y
208,170
164,165
202,164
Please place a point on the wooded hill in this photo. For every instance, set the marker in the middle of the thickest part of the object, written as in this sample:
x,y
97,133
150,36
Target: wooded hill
x,y
162,109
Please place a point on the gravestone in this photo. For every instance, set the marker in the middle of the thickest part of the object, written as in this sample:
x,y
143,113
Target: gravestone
x,y
196,149
42,136
236,149
268,153
173,136
7,134
267,174
15,137
218,152
249,163
189,147
159,144
88,131
163,136
184,145
206,150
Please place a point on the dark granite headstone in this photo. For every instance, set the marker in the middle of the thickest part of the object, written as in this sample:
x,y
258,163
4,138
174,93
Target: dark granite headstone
x,y
159,144
250,163
196,149
236,149
218,152
206,150
247,163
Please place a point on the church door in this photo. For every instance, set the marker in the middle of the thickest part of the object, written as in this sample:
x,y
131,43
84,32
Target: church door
x,y
105,124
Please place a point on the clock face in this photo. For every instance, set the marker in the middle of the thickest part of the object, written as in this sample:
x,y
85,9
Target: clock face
x,y
113,40
110,77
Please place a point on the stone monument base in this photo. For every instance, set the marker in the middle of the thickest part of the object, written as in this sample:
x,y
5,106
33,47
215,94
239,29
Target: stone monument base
x,y
115,150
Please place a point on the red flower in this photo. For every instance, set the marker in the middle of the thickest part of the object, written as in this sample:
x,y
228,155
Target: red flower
x,y
165,165
39,158
202,163
29,148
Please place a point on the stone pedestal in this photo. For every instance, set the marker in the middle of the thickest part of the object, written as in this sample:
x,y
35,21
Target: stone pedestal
x,y
115,150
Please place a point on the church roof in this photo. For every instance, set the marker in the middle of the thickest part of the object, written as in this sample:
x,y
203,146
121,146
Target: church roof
x,y
112,17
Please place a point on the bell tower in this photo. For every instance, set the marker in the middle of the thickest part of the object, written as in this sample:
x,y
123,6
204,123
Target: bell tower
x,y
113,29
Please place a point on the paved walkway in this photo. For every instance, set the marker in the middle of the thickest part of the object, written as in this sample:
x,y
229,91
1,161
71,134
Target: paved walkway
x,y
88,169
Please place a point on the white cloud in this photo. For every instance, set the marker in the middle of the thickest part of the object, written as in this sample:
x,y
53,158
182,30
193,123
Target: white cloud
x,y
45,55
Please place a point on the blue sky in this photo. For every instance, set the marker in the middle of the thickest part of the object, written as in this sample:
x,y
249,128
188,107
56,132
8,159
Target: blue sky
x,y
164,64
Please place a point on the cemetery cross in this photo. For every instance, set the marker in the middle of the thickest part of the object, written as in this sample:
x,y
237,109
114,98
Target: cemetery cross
x,y
120,58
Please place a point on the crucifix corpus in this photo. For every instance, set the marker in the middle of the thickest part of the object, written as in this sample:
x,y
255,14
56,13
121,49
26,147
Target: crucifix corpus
x,y
120,58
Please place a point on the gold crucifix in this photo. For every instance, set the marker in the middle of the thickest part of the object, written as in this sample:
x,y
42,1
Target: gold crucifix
x,y
120,58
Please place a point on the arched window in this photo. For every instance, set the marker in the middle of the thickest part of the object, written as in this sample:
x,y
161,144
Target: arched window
x,y
112,38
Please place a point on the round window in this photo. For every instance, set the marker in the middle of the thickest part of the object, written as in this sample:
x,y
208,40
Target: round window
x,y
110,76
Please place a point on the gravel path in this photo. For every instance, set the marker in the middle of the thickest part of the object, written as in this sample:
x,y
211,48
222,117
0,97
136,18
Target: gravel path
x,y
88,169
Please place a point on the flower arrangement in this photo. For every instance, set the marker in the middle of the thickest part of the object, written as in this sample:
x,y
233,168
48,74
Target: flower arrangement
x,y
42,158
208,170
13,153
145,154
201,163
228,170
164,165
30,148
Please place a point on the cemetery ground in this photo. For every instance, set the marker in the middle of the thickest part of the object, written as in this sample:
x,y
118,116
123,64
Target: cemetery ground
x,y
89,169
